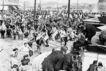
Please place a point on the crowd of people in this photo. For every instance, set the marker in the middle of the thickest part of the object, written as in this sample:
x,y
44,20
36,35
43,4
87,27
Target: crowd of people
x,y
19,25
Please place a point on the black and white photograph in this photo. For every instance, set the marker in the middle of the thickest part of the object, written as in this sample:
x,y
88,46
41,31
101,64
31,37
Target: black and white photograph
x,y
52,35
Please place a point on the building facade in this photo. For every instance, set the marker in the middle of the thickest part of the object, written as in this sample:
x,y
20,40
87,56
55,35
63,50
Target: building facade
x,y
102,5
7,4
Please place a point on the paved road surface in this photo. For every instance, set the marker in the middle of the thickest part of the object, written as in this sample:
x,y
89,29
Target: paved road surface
x,y
6,46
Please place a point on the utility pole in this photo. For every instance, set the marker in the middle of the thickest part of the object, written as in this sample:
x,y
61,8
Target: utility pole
x,y
34,9
68,9
24,5
77,5
3,5
40,5
3,11
57,7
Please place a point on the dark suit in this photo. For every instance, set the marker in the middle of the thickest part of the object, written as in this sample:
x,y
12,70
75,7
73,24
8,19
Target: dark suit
x,y
53,62
102,37
90,31
67,65
92,67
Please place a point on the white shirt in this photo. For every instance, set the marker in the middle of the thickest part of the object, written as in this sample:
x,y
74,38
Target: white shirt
x,y
14,61
3,26
63,33
46,37
101,69
26,49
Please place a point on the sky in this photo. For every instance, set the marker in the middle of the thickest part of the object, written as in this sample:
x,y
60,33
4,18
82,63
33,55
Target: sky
x,y
52,2
72,1
62,1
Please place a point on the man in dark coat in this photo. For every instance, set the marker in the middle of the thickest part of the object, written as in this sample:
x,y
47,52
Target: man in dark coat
x,y
9,32
89,31
93,67
67,65
102,38
2,33
77,45
54,61
72,62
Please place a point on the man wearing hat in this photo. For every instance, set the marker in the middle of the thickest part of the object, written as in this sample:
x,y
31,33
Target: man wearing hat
x,y
54,61
93,66
89,31
99,38
14,60
102,37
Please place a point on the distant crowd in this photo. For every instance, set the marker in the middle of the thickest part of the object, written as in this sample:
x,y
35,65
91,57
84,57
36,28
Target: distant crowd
x,y
19,25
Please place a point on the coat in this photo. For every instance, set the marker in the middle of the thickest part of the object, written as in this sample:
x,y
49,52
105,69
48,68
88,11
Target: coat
x,y
92,67
53,62
90,31
67,65
102,37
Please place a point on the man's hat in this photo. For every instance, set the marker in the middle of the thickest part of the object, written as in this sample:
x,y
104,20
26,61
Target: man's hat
x,y
25,56
15,49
